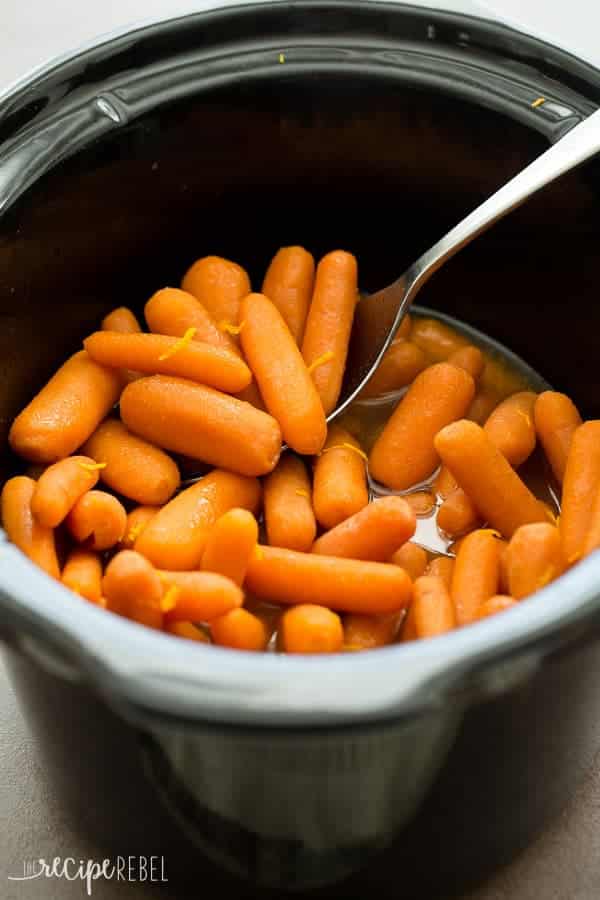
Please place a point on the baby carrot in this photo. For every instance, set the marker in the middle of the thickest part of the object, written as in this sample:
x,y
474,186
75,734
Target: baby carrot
x,y
82,573
482,406
239,629
580,483
340,478
445,483
405,328
470,359
457,515
133,589
533,558
172,311
368,632
510,427
121,319
230,544
137,520
437,340
187,630
289,517
202,423
411,558
289,285
66,411
220,285
34,540
398,368
282,377
311,629
496,604
60,487
176,537
442,567
421,502
556,418
486,476
404,452
433,609
198,596
329,323
346,585
131,466
99,519
374,533
503,577
476,574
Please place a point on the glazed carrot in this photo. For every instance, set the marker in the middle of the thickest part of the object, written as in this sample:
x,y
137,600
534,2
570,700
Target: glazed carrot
x,y
34,540
411,558
437,340
476,574
187,630
230,544
503,577
346,585
176,537
66,411
311,629
483,405
137,520
329,324
404,453
510,427
340,478
433,609
220,285
533,559
398,368
485,475
469,358
282,377
239,629
82,573
131,466
500,379
121,319
374,533
422,503
60,487
172,311
457,515
408,631
98,519
580,484
289,517
441,567
198,596
368,632
289,285
133,589
405,328
556,418
202,423
445,483
496,604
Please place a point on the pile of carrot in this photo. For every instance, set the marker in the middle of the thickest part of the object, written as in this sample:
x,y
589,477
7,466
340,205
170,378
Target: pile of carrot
x,y
289,550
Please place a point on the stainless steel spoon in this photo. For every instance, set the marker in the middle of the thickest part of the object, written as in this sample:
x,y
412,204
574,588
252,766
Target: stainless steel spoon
x,y
378,316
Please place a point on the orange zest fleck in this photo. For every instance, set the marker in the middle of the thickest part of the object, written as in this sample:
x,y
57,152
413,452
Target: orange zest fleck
x,y
538,102
92,467
346,446
321,360
181,343
229,327
302,493
169,600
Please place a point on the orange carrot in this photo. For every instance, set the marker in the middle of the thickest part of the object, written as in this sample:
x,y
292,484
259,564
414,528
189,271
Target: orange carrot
x,y
340,478
533,558
289,285
98,519
137,520
241,630
405,328
311,629
457,515
495,604
172,311
176,537
421,502
411,558
434,610
503,577
220,285
230,544
202,423
60,487
132,466
445,483
82,573
66,411
198,596
437,340
133,589
368,632
510,427
556,418
482,406
187,630
398,368
34,540
346,585
282,377
500,379
592,538
469,358
404,453
485,475
476,574
374,533
408,631
442,567
289,517
121,319
580,485
329,324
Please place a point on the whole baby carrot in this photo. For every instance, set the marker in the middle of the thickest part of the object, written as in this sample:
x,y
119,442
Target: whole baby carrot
x,y
133,589
131,466
202,423
176,536
533,558
340,478
497,603
457,515
442,567
329,323
485,475
239,629
411,558
172,311
282,377
469,358
437,340
556,419
368,632
289,285
371,534
482,406
34,540
445,483
137,520
311,629
346,585
219,284
98,519
198,596
82,573
433,608
230,544
398,368
66,411
511,428
187,630
60,487
121,319
580,483
476,574
289,517
404,453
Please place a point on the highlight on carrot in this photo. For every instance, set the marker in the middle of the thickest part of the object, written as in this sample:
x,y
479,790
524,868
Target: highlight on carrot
x,y
496,604
580,484
22,528
556,420
219,284
198,596
231,544
98,519
476,574
82,573
60,486
311,629
369,632
433,608
133,589
240,630
340,478
288,283
371,534
533,559
288,509
412,558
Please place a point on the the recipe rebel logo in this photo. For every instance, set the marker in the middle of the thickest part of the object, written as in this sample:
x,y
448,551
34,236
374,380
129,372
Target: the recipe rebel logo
x,y
122,868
